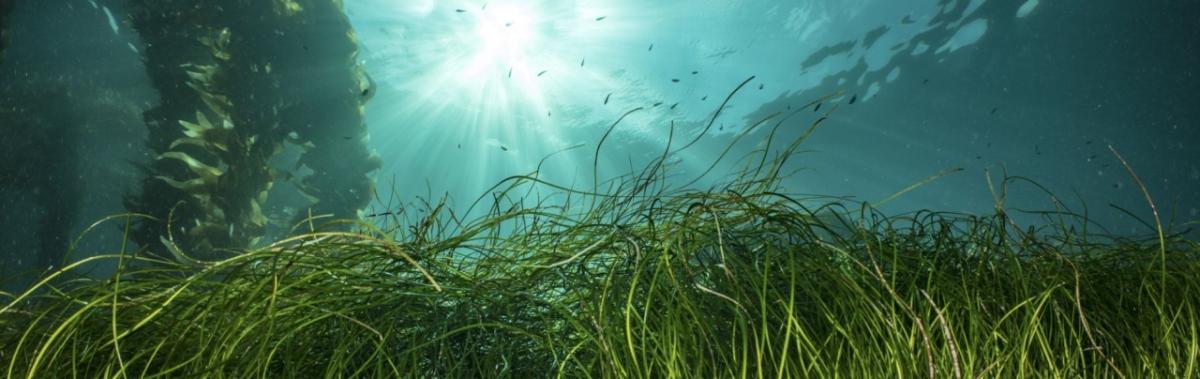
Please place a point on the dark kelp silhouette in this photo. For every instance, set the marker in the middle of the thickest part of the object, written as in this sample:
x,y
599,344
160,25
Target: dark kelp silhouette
x,y
237,81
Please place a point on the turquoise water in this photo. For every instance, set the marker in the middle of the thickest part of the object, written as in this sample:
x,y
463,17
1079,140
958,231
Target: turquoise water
x,y
466,93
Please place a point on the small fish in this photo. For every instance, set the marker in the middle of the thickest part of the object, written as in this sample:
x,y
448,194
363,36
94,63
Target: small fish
x,y
721,128
760,86
695,72
460,10
978,157
651,48
606,98
460,146
305,47
601,18
388,213
112,21
366,92
505,148
542,73
907,20
547,114
925,81
1089,142
994,110
817,108
722,55
346,137
581,62
510,72
674,80
1037,150
508,24
674,105
704,98
658,103
853,99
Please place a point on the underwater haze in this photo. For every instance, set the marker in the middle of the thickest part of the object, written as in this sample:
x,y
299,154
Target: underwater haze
x,y
1035,88
463,94
600,188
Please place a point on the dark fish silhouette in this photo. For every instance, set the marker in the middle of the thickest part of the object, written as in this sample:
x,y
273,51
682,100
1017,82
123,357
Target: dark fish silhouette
x,y
460,10
606,98
674,105
543,72
760,86
510,72
504,148
601,18
674,80
704,98
658,103
651,48
581,62
994,110
853,99
723,54
695,72
817,108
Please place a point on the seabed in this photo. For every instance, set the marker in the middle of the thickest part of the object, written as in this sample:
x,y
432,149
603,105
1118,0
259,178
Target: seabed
x,y
634,279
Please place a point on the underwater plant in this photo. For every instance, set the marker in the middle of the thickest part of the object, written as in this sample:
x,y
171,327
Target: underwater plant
x,y
235,82
636,278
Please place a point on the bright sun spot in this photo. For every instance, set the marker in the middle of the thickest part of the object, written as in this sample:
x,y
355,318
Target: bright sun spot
x,y
506,32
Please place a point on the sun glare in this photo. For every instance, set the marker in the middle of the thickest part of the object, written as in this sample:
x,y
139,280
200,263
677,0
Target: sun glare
x,y
505,35
506,31
498,78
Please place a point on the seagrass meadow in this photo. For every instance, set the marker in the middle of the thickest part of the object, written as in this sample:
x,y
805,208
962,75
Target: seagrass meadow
x,y
916,189
633,279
